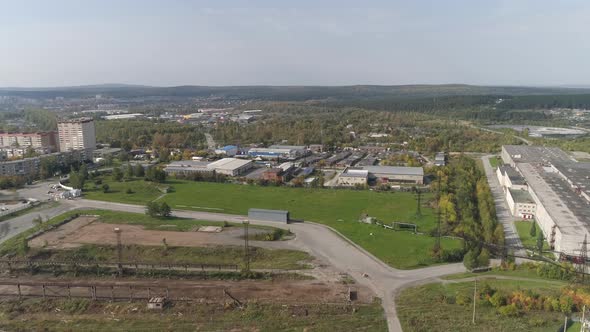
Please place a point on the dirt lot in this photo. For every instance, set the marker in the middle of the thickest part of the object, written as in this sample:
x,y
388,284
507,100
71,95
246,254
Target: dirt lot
x,y
88,230
287,291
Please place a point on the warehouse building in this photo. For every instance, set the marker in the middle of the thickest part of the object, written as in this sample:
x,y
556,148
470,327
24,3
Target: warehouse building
x,y
228,151
231,166
560,188
396,174
188,167
353,177
225,166
274,153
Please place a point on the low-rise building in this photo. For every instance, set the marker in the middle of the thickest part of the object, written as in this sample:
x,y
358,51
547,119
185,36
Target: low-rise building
x,y
509,178
396,174
225,166
353,177
188,167
231,166
440,159
273,174
228,151
521,203
274,153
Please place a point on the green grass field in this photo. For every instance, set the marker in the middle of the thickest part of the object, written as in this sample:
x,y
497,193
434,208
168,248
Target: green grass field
x,y
424,308
143,191
170,224
339,209
495,161
523,228
87,315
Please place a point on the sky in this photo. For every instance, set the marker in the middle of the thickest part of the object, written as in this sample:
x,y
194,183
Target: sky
x,y
174,42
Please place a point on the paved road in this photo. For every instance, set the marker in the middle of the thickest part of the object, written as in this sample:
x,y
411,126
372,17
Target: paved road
x,y
210,142
524,140
14,226
502,209
323,242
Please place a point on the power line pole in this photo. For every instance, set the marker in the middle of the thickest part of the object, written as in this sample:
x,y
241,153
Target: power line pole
x,y
246,247
582,258
438,247
474,300
583,328
419,202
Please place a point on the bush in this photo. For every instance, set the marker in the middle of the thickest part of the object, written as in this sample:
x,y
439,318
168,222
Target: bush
x,y
129,191
564,271
537,322
462,299
452,255
484,258
470,259
450,299
509,310
497,300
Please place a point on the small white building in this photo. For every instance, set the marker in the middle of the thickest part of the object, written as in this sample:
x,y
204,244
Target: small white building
x,y
521,203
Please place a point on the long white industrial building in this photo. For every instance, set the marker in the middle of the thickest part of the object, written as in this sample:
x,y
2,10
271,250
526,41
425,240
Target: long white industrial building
x,y
560,189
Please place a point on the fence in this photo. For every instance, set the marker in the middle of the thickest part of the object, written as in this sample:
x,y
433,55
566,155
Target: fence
x,y
33,263
94,291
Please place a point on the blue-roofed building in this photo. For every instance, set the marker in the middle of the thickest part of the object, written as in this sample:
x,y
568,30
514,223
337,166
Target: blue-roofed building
x,y
228,150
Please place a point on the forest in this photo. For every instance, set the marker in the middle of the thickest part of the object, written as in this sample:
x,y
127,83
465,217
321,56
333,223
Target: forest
x,y
467,209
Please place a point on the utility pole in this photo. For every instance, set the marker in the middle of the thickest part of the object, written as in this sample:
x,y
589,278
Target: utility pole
x,y
418,201
565,324
438,247
246,247
474,300
583,328
119,251
582,259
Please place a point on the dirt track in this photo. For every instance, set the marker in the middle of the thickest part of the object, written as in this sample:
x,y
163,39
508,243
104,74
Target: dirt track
x,y
88,230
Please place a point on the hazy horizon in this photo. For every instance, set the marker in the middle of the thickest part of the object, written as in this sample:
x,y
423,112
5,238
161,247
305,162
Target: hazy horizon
x,y
327,43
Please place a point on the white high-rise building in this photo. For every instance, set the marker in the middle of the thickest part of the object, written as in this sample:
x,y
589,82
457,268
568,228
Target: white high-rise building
x,y
77,134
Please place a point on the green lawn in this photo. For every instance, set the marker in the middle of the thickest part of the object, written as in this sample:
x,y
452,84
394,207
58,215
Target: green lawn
x,y
426,308
87,315
260,258
337,208
169,224
495,161
143,191
523,228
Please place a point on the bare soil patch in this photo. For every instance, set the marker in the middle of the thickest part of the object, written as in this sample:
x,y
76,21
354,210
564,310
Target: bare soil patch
x,y
89,230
